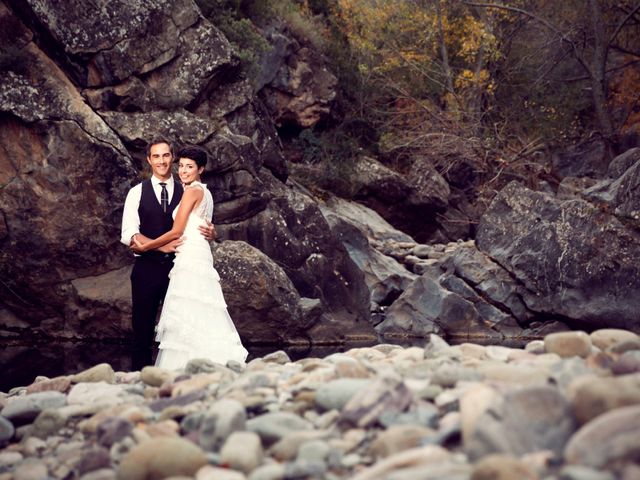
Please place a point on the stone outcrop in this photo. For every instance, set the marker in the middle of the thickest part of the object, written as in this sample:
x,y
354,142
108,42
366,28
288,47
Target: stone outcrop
x,y
575,260
361,230
83,88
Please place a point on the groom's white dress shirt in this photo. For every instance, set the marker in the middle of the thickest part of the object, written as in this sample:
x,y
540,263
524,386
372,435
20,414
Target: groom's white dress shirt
x,y
130,216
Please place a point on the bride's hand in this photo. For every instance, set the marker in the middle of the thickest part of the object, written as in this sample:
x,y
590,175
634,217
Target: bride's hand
x,y
137,246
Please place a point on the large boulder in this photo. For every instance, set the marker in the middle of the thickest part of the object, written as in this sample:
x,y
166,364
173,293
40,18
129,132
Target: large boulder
x,y
442,303
576,261
149,69
261,300
360,229
292,231
63,178
297,87
136,55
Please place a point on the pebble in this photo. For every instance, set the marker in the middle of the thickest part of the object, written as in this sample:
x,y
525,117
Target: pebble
x,y
562,408
568,344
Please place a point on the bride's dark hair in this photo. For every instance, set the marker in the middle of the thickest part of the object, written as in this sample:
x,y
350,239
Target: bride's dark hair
x,y
195,153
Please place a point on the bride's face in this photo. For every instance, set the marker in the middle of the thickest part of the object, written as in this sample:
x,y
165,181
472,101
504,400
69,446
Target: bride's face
x,y
188,170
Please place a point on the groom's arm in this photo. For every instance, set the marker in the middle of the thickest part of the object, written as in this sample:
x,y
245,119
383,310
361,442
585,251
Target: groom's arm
x,y
130,216
131,222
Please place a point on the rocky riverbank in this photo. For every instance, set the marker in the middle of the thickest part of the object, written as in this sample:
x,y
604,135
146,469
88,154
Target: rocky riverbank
x,y
566,407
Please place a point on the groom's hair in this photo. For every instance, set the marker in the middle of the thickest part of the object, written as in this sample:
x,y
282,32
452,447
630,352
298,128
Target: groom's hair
x,y
157,141
195,153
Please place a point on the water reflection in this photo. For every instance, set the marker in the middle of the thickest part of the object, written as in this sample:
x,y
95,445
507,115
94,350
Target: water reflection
x,y
20,364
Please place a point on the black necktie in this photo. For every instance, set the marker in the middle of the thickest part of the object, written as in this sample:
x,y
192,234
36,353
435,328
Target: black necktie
x,y
164,197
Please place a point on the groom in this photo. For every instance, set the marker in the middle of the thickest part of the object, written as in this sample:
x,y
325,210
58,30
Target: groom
x,y
147,214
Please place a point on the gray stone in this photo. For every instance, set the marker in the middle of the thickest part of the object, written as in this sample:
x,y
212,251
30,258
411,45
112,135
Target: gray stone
x,y
48,422
579,472
384,394
574,259
313,450
336,393
608,439
31,469
98,373
161,457
112,430
273,471
526,420
9,459
222,419
25,409
568,344
242,451
6,429
273,426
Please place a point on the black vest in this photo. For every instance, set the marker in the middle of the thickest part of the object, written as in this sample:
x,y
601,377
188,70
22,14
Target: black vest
x,y
153,221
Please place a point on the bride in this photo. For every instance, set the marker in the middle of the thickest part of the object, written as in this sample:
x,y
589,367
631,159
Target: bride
x,y
194,322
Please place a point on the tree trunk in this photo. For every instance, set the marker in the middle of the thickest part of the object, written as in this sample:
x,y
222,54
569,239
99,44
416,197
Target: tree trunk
x,y
599,88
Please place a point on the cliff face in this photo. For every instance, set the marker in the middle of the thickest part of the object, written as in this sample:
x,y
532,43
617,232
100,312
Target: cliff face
x,y
82,90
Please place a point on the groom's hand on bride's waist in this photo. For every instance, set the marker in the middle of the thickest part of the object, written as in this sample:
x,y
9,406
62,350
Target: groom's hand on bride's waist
x,y
172,247
208,231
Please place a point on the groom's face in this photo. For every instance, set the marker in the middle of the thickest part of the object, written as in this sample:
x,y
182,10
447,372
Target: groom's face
x,y
160,159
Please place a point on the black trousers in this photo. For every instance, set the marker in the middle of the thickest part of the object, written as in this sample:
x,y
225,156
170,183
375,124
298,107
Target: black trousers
x,y
149,282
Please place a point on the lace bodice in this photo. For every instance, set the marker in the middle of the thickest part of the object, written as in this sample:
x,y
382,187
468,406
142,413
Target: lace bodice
x,y
204,210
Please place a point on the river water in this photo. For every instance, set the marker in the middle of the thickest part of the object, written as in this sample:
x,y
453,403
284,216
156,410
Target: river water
x,y
21,363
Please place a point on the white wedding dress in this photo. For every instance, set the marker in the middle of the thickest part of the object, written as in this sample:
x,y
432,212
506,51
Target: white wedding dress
x,y
194,322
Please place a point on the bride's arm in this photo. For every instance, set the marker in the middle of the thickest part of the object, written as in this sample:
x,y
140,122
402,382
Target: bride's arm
x,y
190,199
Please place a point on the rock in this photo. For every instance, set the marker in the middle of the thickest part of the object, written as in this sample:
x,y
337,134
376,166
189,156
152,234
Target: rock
x,y
273,471
99,393
592,396
279,356
6,430
155,376
587,159
294,234
288,446
608,338
59,384
313,451
225,417
9,459
100,474
609,439
261,299
579,472
25,409
112,430
397,438
501,467
161,457
59,173
354,224
337,393
48,422
99,373
574,259
441,303
526,420
209,472
273,426
242,451
31,469
568,344
385,394
427,456
623,162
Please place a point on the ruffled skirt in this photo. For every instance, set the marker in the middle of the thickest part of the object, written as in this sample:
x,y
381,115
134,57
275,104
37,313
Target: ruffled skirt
x,y
194,322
